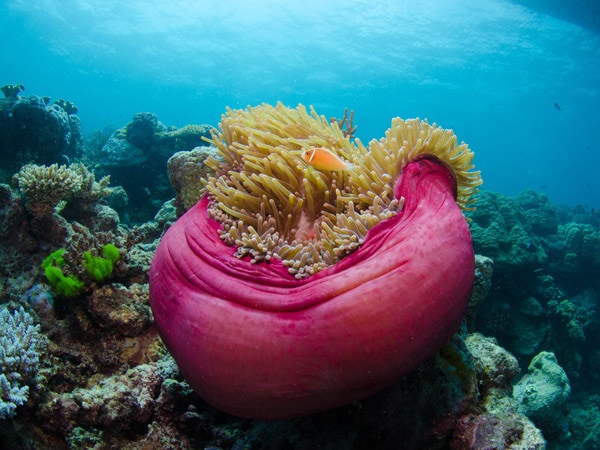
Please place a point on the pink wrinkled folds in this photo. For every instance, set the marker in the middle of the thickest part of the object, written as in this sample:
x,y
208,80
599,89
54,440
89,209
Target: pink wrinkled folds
x,y
255,342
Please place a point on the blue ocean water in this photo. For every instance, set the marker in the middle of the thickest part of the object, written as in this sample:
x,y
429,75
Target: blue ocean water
x,y
520,87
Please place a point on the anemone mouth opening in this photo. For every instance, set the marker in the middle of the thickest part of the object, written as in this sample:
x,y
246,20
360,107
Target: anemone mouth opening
x,y
272,204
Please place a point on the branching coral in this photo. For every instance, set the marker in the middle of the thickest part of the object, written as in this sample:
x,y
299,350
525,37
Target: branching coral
x,y
272,204
91,190
44,187
18,358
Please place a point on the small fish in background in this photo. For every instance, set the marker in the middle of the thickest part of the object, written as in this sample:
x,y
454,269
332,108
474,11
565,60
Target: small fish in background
x,y
557,106
323,159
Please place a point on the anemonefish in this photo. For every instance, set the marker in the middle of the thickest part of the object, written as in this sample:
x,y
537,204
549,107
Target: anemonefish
x,y
323,159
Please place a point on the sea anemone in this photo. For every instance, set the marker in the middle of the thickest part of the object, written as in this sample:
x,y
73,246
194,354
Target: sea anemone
x,y
288,290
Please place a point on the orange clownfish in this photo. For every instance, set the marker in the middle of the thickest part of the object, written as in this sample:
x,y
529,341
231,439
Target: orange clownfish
x,y
323,159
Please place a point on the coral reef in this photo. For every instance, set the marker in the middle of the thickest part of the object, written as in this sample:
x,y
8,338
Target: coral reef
x,y
120,309
496,422
12,90
135,157
184,138
19,356
44,188
142,130
489,431
542,394
67,106
501,231
150,405
89,371
185,169
483,282
576,251
539,302
33,131
545,303
583,415
495,367
67,285
119,402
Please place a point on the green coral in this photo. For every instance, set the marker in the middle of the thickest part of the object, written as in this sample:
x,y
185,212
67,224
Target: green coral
x,y
67,285
99,268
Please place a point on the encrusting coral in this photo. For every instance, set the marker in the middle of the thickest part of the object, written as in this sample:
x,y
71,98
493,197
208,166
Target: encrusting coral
x,y
272,204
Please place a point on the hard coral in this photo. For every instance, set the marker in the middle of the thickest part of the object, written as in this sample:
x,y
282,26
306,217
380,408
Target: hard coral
x,y
120,403
543,393
185,169
580,253
18,358
12,90
489,431
120,309
495,367
538,211
142,130
31,131
501,231
43,187
184,138
67,106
